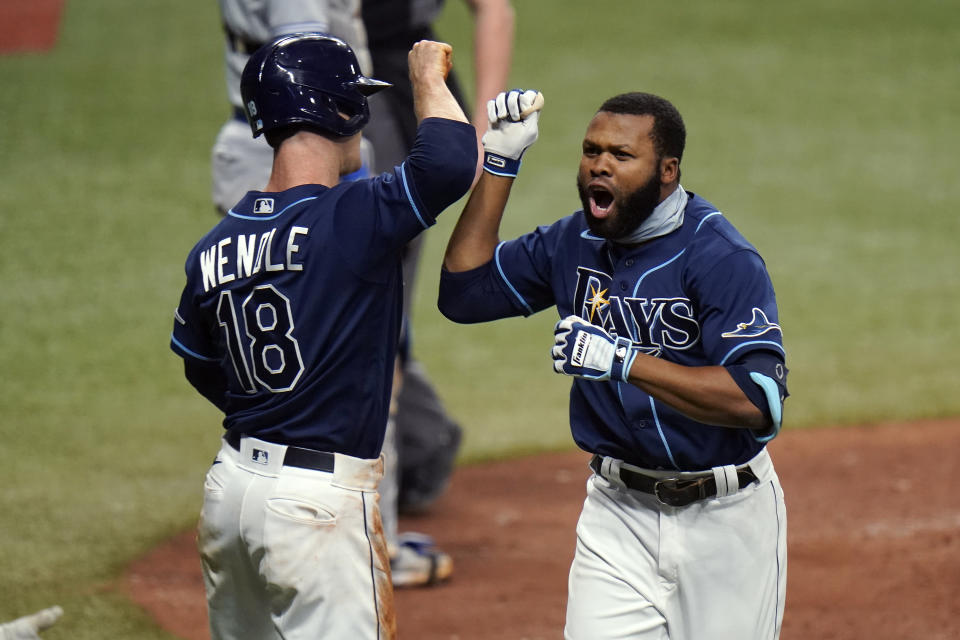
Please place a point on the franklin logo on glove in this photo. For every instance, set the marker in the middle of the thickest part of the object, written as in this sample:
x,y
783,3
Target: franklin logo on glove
x,y
592,353
580,350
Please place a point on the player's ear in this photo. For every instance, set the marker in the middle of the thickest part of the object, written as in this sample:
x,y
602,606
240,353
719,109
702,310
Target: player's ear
x,y
669,170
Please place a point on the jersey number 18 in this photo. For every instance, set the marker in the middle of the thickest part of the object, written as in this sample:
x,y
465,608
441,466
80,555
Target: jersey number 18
x,y
263,329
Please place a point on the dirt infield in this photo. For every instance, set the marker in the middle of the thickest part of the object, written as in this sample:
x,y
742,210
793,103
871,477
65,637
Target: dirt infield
x,y
874,543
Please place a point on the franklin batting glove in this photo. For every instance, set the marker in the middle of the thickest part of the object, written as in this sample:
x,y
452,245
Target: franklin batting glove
x,y
513,117
29,627
585,350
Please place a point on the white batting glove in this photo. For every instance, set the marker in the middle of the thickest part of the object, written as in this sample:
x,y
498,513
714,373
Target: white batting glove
x,y
513,117
585,350
29,627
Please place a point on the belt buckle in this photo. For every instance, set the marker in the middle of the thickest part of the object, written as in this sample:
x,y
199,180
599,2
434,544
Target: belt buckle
x,y
662,498
680,496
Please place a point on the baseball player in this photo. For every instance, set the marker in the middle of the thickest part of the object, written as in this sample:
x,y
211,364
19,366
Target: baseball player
x,y
289,323
240,162
669,327
29,627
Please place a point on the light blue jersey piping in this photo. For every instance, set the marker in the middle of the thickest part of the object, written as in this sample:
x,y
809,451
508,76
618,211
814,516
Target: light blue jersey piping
x,y
189,352
496,258
656,419
705,218
636,287
769,343
406,189
663,437
234,214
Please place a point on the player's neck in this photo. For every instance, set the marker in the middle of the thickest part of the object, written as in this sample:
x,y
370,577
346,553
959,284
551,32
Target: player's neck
x,y
305,159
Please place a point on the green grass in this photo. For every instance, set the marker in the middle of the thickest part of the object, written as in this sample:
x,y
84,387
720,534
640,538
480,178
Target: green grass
x,y
827,134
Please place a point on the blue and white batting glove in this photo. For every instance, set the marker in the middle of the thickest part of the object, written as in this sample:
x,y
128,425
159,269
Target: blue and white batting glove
x,y
513,117
587,351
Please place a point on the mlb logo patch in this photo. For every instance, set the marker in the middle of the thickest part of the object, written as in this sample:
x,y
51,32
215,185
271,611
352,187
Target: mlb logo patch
x,y
260,457
263,205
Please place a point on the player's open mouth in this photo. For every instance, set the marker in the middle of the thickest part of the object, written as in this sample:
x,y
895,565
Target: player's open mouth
x,y
601,202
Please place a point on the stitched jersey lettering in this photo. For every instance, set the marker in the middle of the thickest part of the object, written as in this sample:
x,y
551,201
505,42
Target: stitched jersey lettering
x,y
652,324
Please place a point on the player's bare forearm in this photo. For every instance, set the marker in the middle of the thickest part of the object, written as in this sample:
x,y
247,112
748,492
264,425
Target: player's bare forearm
x,y
477,232
705,394
429,63
493,30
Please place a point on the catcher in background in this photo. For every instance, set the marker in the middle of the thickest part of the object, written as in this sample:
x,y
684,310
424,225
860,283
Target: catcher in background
x,y
669,328
289,323
240,162
427,436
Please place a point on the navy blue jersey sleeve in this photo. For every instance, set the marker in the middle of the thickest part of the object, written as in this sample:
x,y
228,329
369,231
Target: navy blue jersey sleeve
x,y
738,309
762,376
375,218
525,267
516,282
441,165
191,342
476,295
190,339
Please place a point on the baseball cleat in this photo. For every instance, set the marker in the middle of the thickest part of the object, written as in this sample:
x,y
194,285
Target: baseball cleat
x,y
418,563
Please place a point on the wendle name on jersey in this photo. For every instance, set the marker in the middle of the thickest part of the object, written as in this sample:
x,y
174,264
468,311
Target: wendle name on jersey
x,y
221,263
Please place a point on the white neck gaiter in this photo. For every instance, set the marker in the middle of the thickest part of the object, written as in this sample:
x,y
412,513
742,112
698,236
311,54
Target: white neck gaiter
x,y
666,217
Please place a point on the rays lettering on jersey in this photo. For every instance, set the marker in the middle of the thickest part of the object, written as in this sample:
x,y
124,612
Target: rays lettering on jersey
x,y
221,264
653,324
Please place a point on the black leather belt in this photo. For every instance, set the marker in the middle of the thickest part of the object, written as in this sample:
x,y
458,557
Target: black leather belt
x,y
295,456
675,492
238,43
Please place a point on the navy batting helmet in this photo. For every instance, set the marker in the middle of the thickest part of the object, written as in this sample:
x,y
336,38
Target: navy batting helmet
x,y
306,78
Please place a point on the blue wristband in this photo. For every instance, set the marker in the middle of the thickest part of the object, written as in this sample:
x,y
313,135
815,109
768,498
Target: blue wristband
x,y
500,165
623,357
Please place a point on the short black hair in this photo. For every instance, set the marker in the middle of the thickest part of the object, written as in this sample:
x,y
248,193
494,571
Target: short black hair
x,y
669,133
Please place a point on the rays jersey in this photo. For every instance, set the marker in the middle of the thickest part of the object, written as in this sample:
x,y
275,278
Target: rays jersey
x,y
697,296
291,314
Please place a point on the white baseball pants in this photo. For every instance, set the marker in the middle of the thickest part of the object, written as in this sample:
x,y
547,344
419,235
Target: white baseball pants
x,y
713,569
294,553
